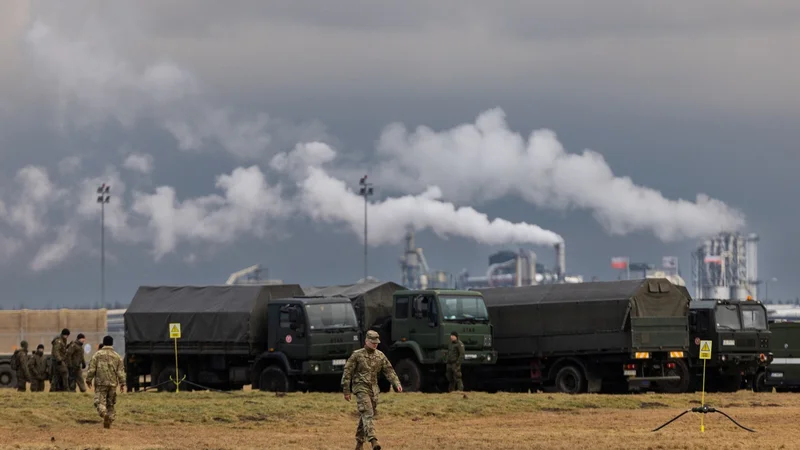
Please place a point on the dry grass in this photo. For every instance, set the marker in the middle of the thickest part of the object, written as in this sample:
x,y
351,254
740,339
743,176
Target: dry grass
x,y
200,420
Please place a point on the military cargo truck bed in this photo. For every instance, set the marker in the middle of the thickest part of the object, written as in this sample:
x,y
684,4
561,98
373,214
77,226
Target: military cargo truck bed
x,y
212,317
597,317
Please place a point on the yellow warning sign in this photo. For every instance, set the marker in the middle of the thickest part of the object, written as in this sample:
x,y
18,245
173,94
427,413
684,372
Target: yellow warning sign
x,y
705,349
174,331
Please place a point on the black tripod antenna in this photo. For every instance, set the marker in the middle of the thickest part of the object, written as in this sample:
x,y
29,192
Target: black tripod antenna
x,y
705,409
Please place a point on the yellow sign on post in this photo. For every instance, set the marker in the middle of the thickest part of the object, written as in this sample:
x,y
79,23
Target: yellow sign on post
x,y
175,334
705,349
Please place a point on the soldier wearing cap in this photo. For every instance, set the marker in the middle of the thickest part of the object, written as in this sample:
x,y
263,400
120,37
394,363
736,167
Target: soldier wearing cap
x,y
360,377
60,373
76,363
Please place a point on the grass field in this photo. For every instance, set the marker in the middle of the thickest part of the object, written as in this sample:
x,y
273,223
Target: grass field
x,y
198,420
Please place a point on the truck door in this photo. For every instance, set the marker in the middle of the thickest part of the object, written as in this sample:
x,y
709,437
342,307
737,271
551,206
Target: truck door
x,y
292,332
423,326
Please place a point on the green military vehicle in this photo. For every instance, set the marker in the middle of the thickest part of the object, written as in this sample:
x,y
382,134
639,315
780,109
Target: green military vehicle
x,y
783,373
415,327
589,337
740,343
271,337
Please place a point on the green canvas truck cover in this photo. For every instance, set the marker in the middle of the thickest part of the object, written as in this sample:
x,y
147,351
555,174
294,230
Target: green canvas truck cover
x,y
578,317
235,314
372,300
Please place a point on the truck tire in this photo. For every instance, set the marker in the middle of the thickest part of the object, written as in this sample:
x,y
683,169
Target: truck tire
x,y
760,383
410,375
273,379
679,386
8,379
570,380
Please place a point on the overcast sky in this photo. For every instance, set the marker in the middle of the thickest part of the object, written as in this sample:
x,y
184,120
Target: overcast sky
x,y
235,133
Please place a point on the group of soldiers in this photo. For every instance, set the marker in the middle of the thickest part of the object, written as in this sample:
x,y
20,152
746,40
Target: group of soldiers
x,y
65,367
360,377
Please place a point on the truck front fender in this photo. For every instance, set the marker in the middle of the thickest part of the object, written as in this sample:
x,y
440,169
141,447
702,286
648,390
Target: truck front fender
x,y
269,359
413,347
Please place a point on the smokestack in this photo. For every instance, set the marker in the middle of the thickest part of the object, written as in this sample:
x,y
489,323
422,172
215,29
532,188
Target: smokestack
x,y
561,260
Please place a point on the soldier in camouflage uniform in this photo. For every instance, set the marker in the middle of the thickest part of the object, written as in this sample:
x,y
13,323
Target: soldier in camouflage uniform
x,y
107,371
60,372
455,355
76,363
361,370
19,363
37,366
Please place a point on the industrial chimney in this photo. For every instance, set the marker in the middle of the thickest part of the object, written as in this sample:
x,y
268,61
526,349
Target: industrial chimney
x,y
561,260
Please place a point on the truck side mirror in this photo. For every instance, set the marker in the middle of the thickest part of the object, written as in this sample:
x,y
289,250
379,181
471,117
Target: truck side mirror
x,y
693,320
294,316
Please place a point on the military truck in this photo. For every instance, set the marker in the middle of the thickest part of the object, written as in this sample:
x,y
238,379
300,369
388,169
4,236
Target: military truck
x,y
274,338
740,340
589,337
415,327
783,372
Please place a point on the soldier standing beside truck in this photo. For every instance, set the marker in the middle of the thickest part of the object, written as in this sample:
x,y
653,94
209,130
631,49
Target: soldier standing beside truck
x,y
76,363
60,380
37,366
455,354
19,362
361,370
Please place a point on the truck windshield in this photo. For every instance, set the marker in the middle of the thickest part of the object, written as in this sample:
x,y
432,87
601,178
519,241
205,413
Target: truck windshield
x,y
329,316
463,309
753,318
728,317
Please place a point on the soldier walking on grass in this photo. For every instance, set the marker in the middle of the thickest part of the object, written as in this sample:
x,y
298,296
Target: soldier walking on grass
x,y
37,366
60,373
76,363
19,363
455,355
107,371
360,377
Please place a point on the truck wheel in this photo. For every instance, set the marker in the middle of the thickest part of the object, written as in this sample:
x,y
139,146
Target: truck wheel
x,y
409,374
273,379
677,386
760,383
8,378
569,380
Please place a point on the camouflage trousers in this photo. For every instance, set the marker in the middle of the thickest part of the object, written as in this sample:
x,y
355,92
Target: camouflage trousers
x,y
105,398
37,386
454,377
76,379
21,381
367,407
60,380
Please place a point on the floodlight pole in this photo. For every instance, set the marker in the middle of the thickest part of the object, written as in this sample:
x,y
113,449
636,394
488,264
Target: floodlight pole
x,y
366,191
103,197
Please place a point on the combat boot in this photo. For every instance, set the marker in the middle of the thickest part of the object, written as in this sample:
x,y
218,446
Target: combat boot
x,y
359,445
375,445
106,422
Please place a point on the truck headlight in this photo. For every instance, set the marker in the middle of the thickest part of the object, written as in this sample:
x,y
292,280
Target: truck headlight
x,y
487,340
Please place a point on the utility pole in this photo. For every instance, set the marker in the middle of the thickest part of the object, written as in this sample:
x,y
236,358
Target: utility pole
x,y
103,197
366,191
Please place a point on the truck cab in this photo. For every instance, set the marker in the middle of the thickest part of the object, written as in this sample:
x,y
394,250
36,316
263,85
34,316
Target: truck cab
x,y
309,341
740,340
422,321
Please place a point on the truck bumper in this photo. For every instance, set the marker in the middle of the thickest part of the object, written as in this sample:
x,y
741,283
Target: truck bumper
x,y
323,367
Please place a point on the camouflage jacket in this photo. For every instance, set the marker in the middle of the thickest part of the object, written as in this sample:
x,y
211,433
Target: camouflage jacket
x,y
59,349
37,366
19,362
362,370
455,353
106,368
74,355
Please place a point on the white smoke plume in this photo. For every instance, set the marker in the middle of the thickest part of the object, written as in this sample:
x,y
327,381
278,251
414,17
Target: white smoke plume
x,y
325,198
486,161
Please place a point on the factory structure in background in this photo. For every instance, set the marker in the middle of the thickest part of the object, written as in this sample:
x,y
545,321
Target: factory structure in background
x,y
251,275
506,268
726,267
640,270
